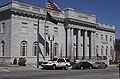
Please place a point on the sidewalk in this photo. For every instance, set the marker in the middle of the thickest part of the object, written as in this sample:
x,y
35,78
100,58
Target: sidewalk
x,y
19,68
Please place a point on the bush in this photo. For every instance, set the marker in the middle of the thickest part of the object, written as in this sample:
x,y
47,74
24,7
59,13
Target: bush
x,y
22,62
114,62
15,61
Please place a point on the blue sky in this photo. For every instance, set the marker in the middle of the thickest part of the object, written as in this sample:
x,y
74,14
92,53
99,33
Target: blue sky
x,y
106,11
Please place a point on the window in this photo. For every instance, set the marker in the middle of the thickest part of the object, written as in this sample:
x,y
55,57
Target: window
x,y
106,50
111,51
101,36
35,49
102,51
35,28
106,37
47,49
23,48
46,30
97,50
56,31
24,27
96,36
3,27
110,38
55,49
2,48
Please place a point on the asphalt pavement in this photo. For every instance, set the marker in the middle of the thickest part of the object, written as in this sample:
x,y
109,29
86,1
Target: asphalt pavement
x,y
31,72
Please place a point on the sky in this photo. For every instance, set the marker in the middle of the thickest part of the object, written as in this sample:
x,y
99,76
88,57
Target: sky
x,y
106,11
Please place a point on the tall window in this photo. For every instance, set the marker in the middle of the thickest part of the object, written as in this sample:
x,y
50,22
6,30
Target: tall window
x,y
2,48
102,51
2,27
97,50
23,48
47,49
111,51
96,36
35,28
55,49
47,30
106,37
110,38
56,31
106,50
101,36
35,49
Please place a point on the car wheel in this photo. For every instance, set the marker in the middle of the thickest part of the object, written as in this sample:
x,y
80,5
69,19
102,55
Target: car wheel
x,y
81,68
54,67
66,67
99,67
90,67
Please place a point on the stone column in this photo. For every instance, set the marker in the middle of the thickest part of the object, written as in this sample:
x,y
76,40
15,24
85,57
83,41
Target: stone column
x,y
71,45
86,45
79,44
68,41
92,45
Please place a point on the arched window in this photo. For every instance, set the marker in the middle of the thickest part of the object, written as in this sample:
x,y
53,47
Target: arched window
x,y
35,49
2,48
106,50
111,51
97,50
56,49
102,51
23,48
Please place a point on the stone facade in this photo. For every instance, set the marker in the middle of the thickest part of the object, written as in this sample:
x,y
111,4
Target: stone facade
x,y
76,36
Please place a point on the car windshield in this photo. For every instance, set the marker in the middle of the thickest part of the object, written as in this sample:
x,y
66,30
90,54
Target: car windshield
x,y
67,60
54,59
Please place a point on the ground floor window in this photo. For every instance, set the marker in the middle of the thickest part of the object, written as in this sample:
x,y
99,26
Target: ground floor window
x,y
35,49
23,49
2,48
56,49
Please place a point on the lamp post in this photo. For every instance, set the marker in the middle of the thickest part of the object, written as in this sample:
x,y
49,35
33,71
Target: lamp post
x,y
51,39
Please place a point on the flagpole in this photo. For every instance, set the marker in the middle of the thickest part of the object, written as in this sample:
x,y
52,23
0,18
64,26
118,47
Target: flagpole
x,y
38,43
45,27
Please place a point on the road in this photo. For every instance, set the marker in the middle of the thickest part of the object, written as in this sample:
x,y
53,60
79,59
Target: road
x,y
109,73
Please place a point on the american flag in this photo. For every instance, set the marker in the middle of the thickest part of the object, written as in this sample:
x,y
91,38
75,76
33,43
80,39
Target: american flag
x,y
51,5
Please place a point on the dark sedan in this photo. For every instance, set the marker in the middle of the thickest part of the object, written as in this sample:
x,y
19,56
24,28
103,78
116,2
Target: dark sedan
x,y
82,65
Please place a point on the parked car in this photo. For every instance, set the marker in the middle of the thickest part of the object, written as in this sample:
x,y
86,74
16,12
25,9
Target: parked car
x,y
56,63
82,65
99,65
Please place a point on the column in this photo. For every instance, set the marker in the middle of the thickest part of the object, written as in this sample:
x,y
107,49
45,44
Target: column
x,y
92,45
86,46
79,44
68,41
71,45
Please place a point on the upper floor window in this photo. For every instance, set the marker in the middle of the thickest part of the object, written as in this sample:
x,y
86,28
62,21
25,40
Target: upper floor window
x,y
106,37
101,36
35,28
24,27
102,50
56,31
46,30
96,36
3,27
110,38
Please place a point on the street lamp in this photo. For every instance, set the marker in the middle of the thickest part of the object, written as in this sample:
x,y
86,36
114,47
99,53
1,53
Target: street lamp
x,y
51,39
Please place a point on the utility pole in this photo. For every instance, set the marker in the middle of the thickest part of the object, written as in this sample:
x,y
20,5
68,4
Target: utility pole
x,y
38,44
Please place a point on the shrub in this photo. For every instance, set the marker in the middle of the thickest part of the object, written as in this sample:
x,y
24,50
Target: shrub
x,y
15,61
22,62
